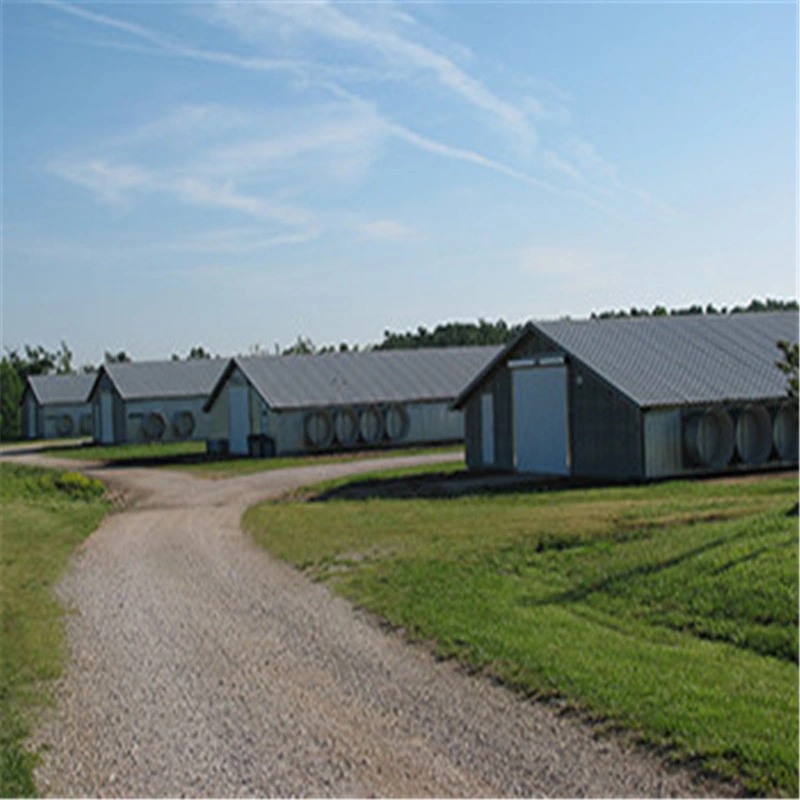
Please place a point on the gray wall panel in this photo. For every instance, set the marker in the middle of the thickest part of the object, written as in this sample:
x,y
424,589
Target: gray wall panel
x,y
472,428
605,429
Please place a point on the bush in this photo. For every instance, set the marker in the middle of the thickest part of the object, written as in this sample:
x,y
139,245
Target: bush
x,y
78,486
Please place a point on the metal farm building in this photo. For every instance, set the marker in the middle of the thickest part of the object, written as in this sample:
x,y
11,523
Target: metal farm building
x,y
636,399
152,401
56,406
278,405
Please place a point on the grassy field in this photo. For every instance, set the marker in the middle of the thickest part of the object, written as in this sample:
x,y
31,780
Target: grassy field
x,y
128,452
669,611
191,457
45,515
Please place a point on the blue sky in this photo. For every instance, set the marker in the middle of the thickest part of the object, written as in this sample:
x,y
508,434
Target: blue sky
x,y
238,174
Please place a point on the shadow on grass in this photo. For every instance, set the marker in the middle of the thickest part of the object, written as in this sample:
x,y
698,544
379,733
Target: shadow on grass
x,y
445,485
785,649
477,482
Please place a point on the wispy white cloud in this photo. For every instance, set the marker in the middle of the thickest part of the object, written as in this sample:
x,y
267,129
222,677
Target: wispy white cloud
x,y
225,195
167,45
331,23
586,155
237,241
461,154
584,266
112,182
115,183
344,140
385,230
606,176
188,123
561,165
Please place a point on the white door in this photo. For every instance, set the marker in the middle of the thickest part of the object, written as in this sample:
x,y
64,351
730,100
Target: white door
x,y
238,419
106,418
31,418
487,428
541,433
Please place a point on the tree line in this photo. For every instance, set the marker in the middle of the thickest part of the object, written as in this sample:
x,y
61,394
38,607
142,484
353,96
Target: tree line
x,y
695,309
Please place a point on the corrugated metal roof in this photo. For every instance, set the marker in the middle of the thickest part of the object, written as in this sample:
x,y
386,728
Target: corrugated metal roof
x,y
377,376
679,360
140,380
673,360
60,389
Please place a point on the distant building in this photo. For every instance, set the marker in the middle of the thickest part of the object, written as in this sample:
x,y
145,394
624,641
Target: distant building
x,y
278,405
636,399
152,401
56,406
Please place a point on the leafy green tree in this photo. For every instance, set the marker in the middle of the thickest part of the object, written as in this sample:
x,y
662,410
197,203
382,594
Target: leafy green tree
x,y
696,310
302,347
63,359
40,361
451,334
11,389
117,358
195,353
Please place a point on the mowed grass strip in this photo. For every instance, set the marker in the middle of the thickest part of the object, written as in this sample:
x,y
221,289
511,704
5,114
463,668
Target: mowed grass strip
x,y
45,515
191,457
669,611
146,452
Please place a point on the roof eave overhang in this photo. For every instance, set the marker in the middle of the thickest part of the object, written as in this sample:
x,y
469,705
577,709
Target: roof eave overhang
x,y
463,396
717,401
356,402
232,364
95,383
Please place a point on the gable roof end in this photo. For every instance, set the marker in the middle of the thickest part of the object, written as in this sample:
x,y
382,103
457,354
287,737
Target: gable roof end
x,y
377,376
140,380
675,360
60,389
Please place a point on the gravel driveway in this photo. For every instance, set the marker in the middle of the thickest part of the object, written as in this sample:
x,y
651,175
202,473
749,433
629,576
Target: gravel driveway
x,y
202,667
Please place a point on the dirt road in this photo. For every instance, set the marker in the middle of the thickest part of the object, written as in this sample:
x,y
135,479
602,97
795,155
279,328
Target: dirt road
x,y
202,667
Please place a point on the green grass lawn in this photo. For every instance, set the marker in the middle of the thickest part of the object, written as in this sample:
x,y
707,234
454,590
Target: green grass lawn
x,y
45,515
191,457
669,611
129,452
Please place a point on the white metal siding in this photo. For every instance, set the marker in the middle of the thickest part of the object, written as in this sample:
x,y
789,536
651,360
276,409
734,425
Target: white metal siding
x,y
429,423
541,420
487,428
433,422
137,411
662,443
238,418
